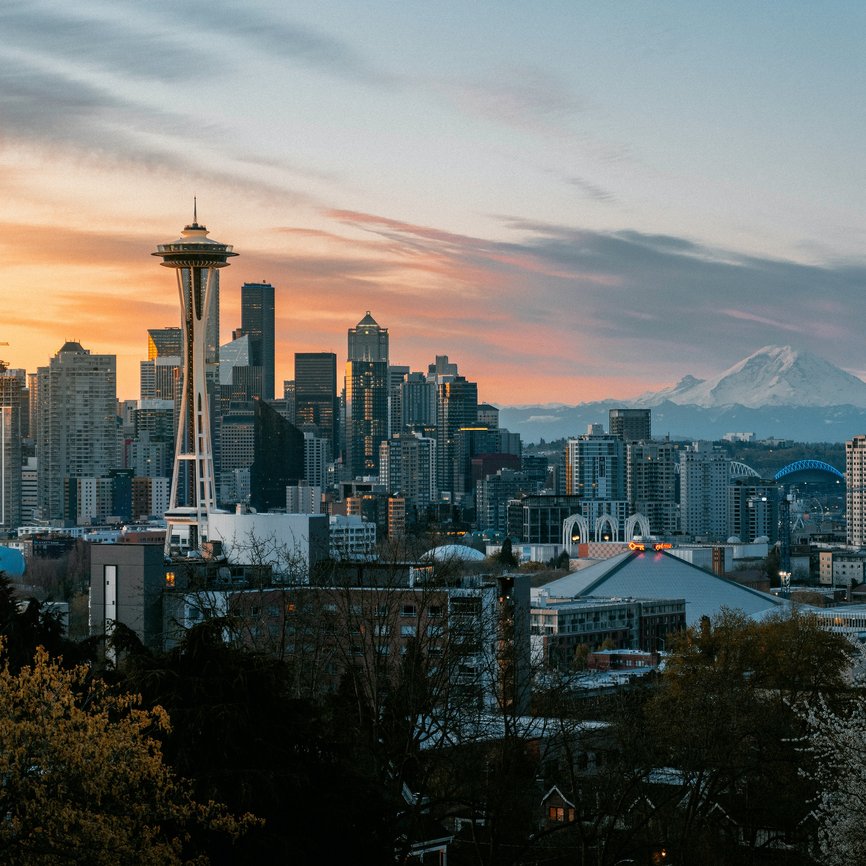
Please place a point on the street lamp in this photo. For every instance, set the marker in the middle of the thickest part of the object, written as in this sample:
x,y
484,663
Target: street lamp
x,y
785,581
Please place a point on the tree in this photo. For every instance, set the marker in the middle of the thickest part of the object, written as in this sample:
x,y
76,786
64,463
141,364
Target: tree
x,y
722,718
24,628
835,741
506,555
241,739
83,780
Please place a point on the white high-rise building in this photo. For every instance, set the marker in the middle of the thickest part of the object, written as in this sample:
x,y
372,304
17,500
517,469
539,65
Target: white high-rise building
x,y
76,422
304,498
704,478
317,456
855,493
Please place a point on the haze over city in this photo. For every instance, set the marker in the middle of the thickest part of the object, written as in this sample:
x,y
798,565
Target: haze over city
x,y
573,200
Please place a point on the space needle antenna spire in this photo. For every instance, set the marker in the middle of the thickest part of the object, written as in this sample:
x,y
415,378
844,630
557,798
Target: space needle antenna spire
x,y
195,259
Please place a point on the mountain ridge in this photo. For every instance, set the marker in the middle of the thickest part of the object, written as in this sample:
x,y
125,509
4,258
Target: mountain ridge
x,y
776,391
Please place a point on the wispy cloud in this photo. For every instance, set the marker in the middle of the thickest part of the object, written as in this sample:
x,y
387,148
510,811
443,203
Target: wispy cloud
x,y
592,190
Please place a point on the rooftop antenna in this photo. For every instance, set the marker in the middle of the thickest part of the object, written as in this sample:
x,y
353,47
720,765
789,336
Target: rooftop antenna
x,y
194,211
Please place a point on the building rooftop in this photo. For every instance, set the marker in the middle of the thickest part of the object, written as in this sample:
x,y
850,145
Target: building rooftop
x,y
659,575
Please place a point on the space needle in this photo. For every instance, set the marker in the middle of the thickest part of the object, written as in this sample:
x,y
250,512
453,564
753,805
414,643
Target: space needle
x,y
195,257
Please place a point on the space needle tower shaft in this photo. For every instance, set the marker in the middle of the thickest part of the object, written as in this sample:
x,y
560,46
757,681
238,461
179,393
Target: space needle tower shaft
x,y
195,257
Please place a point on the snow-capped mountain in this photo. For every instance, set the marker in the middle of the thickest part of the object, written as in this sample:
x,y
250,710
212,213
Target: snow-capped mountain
x,y
772,376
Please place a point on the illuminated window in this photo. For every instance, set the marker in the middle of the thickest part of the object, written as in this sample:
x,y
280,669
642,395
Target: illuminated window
x,y
169,578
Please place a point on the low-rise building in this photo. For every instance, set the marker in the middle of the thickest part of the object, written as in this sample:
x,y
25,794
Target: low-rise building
x,y
559,626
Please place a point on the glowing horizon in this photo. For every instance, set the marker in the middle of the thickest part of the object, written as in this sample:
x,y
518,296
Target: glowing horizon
x,y
585,206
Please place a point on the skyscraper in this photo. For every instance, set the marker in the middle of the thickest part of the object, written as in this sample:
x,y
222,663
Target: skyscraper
x,y
257,322
457,407
366,389
316,395
704,475
76,421
651,484
10,445
164,342
595,468
195,257
278,461
855,491
368,341
630,425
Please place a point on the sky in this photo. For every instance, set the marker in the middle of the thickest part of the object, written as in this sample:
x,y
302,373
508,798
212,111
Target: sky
x,y
573,200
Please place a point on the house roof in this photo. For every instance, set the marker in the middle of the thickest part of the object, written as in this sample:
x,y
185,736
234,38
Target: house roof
x,y
658,574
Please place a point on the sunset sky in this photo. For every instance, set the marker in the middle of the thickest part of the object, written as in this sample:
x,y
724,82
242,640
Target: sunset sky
x,y
573,200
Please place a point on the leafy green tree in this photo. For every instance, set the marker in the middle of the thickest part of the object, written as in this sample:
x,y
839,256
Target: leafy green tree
x,y
83,779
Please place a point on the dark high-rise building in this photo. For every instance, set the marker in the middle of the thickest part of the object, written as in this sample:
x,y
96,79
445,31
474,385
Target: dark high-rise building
x,y
417,403
366,390
257,321
595,467
457,407
630,425
753,509
278,461
316,394
164,342
368,341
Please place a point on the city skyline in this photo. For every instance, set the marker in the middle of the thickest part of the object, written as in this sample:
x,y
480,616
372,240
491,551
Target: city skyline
x,y
572,201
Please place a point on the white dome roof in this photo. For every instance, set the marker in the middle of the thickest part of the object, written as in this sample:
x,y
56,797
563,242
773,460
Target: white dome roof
x,y
454,551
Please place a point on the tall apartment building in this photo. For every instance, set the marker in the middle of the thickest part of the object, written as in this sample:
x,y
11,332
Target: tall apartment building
x,y
76,421
417,403
651,484
366,396
753,509
397,374
630,425
492,494
303,498
10,445
855,492
317,457
595,467
316,396
408,467
704,476
237,452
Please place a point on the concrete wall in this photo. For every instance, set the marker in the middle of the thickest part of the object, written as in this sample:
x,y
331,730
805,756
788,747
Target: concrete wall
x,y
126,584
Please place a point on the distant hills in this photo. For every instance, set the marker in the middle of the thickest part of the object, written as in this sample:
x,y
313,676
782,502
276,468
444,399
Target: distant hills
x,y
775,392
